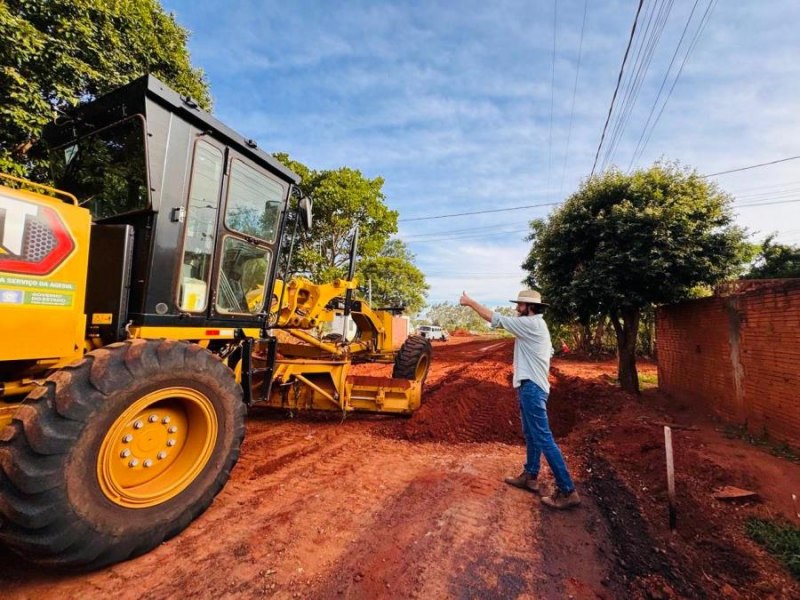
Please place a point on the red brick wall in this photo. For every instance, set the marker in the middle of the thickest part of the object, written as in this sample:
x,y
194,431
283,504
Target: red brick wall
x,y
737,354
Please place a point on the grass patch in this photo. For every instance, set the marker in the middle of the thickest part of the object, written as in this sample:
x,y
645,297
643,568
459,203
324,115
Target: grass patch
x,y
780,540
648,380
780,449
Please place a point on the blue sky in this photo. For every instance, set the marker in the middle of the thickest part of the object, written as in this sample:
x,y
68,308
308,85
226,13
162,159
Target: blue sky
x,y
459,107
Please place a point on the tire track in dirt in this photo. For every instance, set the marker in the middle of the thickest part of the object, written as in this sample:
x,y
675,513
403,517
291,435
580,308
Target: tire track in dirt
x,y
429,528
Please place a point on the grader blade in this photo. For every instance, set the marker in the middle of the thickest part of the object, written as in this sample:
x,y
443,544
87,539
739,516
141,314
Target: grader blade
x,y
383,394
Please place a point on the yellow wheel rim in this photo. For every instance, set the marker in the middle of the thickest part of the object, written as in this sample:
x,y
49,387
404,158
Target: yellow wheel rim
x,y
157,447
422,367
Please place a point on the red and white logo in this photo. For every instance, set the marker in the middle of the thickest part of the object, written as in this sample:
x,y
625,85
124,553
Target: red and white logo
x,y
33,238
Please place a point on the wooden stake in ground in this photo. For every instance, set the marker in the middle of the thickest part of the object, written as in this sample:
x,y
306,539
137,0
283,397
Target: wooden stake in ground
x,y
670,476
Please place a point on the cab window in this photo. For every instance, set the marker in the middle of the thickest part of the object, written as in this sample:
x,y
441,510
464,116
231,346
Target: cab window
x,y
201,226
242,277
254,202
106,170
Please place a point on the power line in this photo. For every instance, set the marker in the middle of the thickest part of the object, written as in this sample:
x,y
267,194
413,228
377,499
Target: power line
x,y
663,85
574,94
465,273
760,188
552,94
767,203
644,57
481,212
452,235
775,195
747,168
470,236
698,32
543,204
451,231
616,89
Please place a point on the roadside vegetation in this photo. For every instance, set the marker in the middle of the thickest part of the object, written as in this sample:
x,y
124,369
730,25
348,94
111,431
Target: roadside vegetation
x,y
762,440
782,540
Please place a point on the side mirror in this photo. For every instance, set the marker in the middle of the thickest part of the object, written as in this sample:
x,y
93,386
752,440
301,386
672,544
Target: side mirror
x,y
304,206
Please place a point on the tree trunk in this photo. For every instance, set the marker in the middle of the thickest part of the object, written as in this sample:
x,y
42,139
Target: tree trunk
x,y
652,349
626,332
597,343
586,340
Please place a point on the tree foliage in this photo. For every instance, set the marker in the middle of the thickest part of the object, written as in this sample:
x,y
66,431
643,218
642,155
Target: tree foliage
x,y
57,53
393,278
775,261
624,242
453,316
342,199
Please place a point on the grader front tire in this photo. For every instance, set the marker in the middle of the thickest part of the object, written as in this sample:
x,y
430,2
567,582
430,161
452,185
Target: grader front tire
x,y
118,453
413,360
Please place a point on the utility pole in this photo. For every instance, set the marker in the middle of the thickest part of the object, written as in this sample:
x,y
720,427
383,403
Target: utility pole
x,y
369,291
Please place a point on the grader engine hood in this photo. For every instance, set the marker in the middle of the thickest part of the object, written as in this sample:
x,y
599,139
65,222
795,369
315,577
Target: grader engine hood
x,y
43,258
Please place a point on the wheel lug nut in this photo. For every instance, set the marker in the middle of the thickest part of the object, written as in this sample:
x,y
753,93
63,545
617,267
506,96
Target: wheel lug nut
x,y
152,418
165,420
133,463
125,453
147,463
172,429
170,443
161,455
127,438
138,425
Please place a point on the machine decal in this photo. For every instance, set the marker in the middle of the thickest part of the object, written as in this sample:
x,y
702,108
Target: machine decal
x,y
33,238
36,292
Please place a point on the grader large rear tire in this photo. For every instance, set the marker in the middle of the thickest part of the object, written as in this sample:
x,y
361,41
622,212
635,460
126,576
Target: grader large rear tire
x,y
413,359
117,453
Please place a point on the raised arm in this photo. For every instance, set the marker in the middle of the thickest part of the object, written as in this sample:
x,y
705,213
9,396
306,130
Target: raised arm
x,y
483,311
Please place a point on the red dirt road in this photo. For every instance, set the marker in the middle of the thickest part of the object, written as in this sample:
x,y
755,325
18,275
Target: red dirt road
x,y
377,507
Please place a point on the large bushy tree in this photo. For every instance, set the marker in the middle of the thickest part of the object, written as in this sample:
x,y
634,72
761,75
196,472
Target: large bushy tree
x,y
57,53
624,242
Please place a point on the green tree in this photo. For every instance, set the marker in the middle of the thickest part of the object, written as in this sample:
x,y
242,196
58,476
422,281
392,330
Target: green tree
x,y
624,242
393,278
57,53
775,261
455,316
342,198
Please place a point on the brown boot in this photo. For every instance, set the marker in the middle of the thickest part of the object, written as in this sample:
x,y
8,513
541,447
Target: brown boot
x,y
524,481
560,500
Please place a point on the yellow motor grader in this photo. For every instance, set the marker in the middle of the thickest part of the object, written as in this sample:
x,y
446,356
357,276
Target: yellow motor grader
x,y
140,315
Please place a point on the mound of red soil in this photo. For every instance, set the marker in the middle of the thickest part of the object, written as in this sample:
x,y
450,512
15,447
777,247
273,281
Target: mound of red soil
x,y
476,403
467,410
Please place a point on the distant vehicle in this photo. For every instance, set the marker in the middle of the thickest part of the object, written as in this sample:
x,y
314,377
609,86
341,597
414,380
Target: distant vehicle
x,y
432,332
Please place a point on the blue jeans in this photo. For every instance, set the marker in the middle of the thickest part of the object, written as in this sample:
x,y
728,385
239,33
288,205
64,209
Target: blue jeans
x,y
538,437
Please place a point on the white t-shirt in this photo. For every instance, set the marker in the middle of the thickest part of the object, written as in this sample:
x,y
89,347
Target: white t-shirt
x,y
532,348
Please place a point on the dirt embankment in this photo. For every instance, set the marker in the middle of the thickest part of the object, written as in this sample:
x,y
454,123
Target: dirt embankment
x,y
372,507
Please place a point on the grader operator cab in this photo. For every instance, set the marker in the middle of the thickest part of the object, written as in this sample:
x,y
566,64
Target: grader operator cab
x,y
140,311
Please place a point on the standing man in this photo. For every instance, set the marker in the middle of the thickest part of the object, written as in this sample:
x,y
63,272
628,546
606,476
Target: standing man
x,y
532,350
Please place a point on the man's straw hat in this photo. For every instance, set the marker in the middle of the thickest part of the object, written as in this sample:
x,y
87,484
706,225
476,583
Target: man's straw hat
x,y
530,297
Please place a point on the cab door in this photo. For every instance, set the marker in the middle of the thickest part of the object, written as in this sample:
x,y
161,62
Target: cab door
x,y
201,228
247,238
